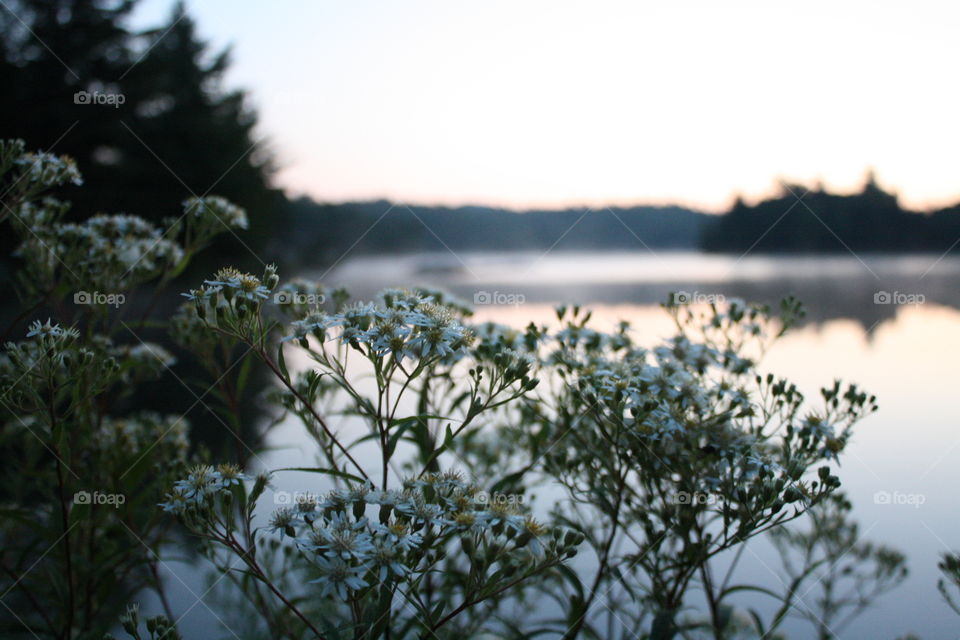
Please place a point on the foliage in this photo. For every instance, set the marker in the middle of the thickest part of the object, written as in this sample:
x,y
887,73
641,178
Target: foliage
x,y
832,562
950,579
674,455
80,523
432,433
176,131
414,556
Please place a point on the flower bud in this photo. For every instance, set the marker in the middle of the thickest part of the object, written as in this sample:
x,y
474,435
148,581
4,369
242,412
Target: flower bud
x,y
792,494
270,277
572,538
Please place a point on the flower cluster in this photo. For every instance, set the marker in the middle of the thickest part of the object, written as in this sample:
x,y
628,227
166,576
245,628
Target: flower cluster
x,y
51,352
220,209
47,170
108,253
199,488
407,326
105,253
232,299
363,537
685,446
158,627
141,431
53,335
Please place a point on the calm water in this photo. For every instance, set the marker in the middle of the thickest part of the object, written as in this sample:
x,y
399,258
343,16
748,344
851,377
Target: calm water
x,y
906,354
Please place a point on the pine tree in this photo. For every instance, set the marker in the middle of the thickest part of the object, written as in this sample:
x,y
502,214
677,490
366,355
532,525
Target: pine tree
x,y
177,133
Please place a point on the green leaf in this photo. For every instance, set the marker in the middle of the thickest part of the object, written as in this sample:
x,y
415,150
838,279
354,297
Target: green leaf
x,y
447,439
243,375
663,627
438,610
314,384
330,472
510,480
400,427
758,621
748,587
571,576
281,362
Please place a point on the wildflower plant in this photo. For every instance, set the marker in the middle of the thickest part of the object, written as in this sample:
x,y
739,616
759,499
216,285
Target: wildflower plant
x,y
80,526
406,547
831,557
670,456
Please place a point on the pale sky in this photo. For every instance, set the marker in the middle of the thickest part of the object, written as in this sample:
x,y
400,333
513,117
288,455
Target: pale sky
x,y
527,103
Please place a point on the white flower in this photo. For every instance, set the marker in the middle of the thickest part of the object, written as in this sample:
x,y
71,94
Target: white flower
x,y
500,514
176,501
282,519
338,577
399,535
50,170
531,534
244,285
148,353
387,557
203,481
390,497
470,521
423,512
51,330
337,499
384,339
229,475
337,536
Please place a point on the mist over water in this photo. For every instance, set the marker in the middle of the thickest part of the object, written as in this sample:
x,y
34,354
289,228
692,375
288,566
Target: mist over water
x,y
868,289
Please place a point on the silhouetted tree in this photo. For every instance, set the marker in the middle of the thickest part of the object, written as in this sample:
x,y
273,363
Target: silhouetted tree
x,y
816,221
177,132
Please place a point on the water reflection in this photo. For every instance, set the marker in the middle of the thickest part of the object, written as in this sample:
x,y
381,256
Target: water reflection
x,y
831,287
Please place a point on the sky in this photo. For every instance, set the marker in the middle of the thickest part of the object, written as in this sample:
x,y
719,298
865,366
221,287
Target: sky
x,y
531,103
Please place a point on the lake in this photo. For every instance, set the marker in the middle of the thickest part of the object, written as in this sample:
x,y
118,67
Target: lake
x,y
889,323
